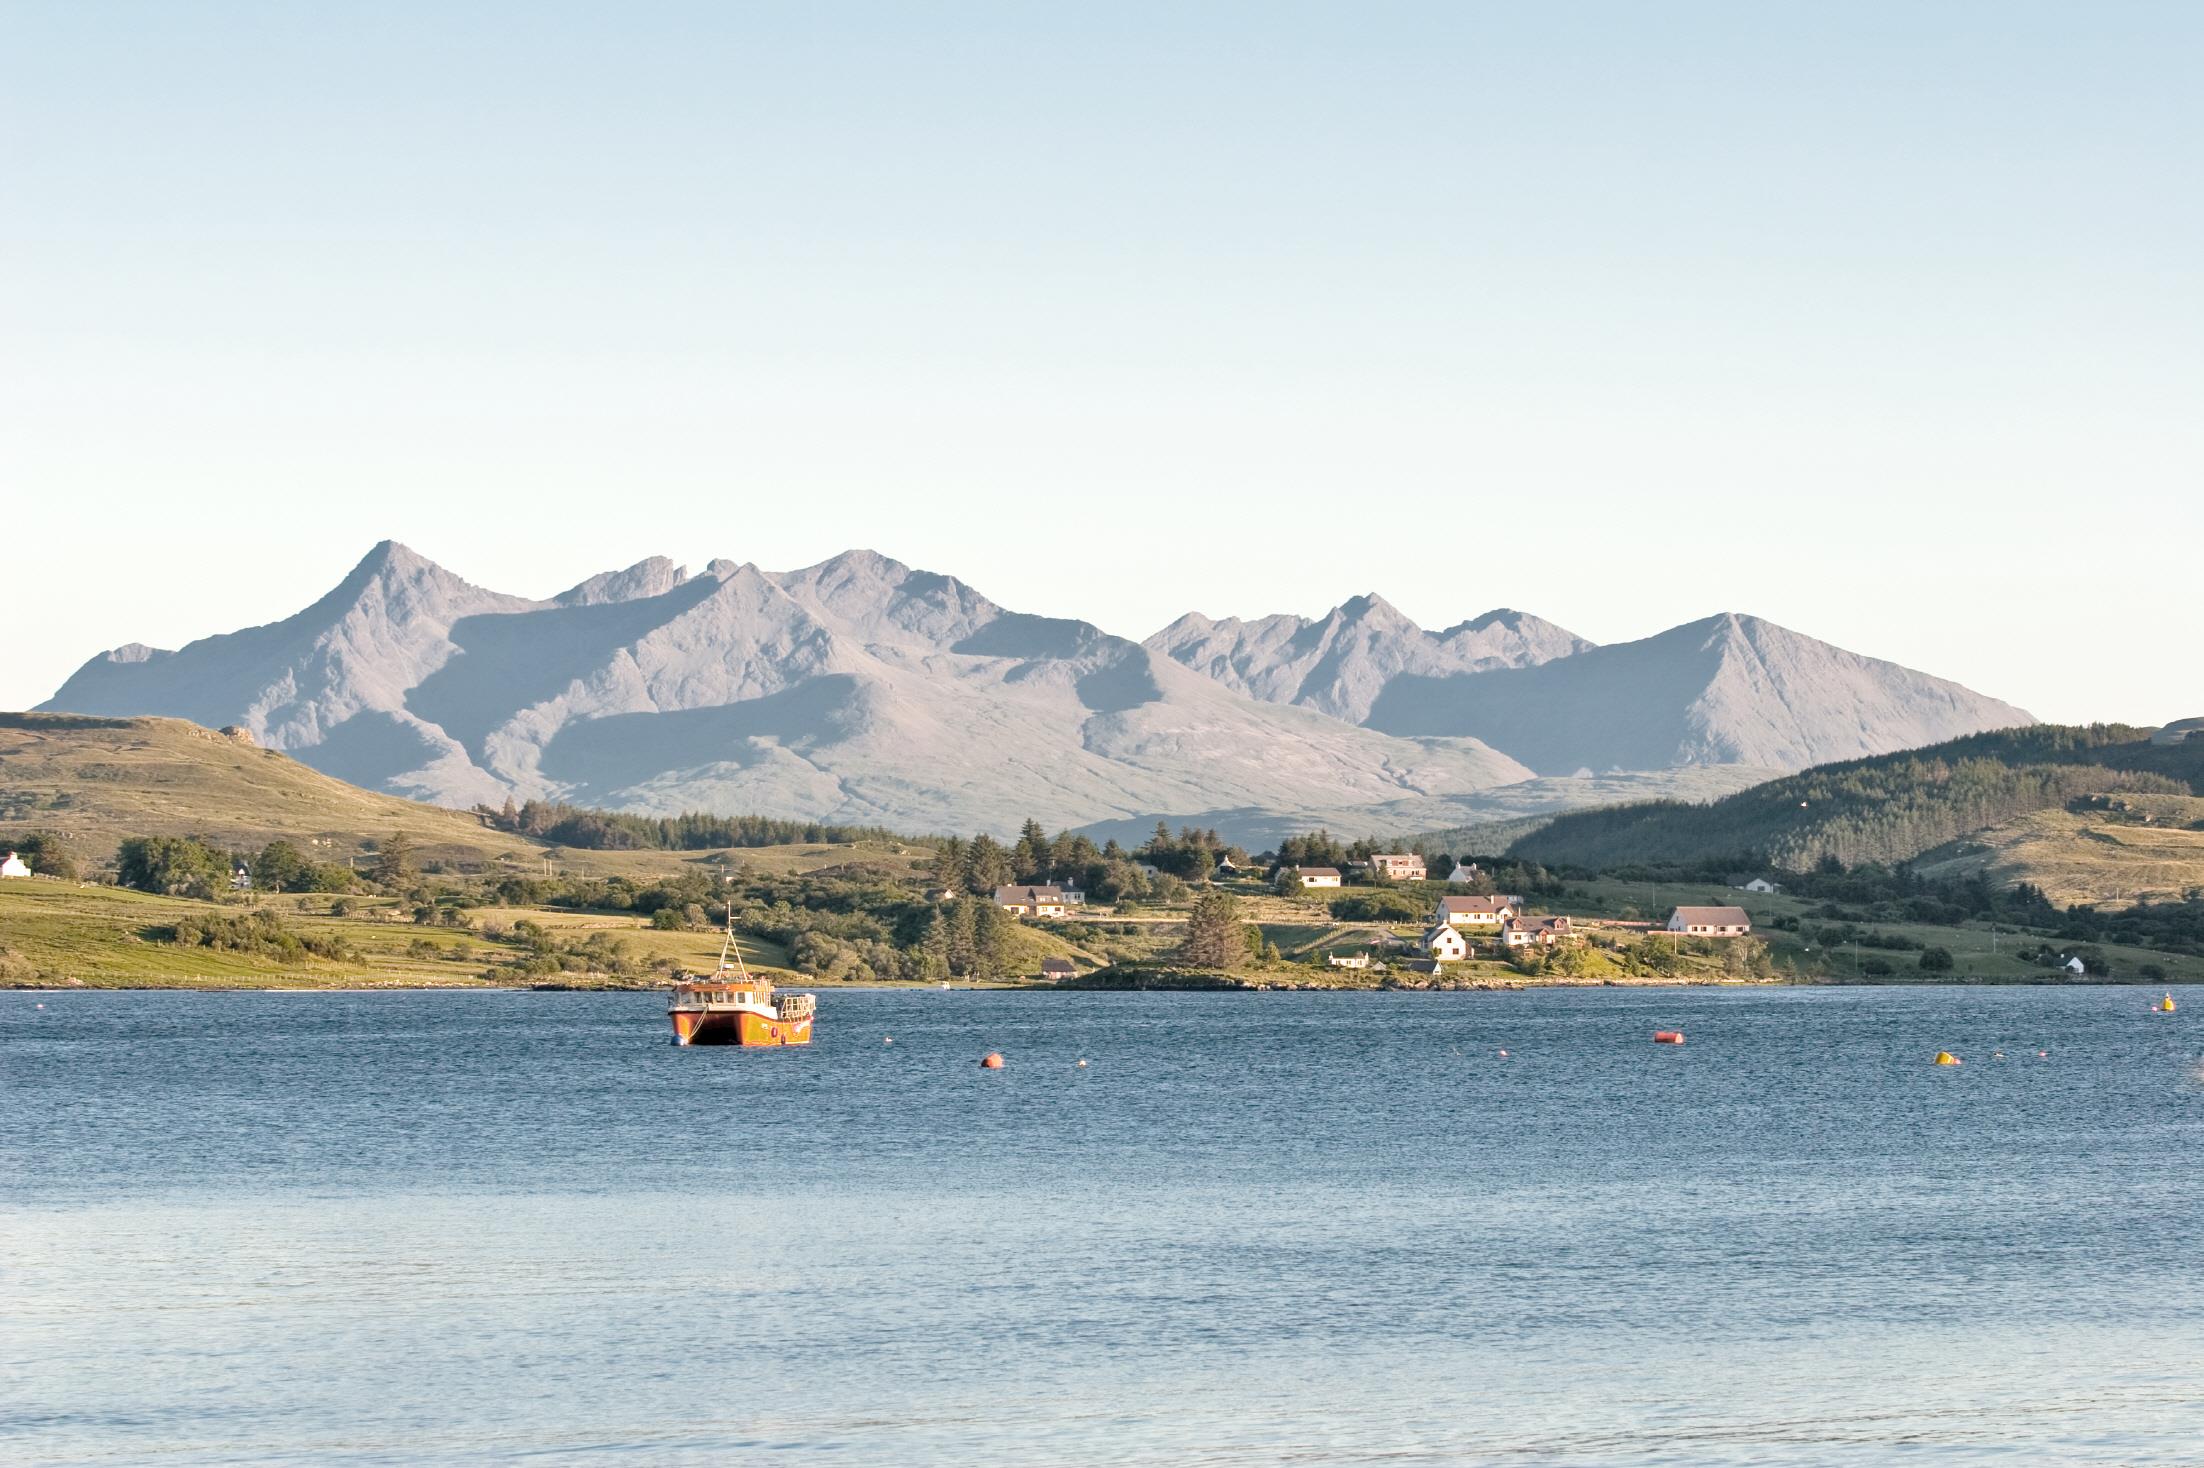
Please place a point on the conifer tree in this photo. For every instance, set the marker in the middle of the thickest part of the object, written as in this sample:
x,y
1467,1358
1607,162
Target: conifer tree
x,y
1213,933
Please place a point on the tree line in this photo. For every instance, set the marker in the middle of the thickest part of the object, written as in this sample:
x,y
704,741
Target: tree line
x,y
1877,811
588,829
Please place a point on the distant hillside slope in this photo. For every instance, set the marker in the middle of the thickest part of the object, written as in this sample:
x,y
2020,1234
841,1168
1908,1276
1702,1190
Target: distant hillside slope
x,y
1729,690
97,781
1887,809
2116,848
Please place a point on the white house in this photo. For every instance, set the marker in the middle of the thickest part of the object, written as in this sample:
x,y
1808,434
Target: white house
x,y
1348,960
14,866
2075,966
1465,874
1446,943
1399,866
1710,922
1030,901
1760,884
1472,912
1318,876
241,880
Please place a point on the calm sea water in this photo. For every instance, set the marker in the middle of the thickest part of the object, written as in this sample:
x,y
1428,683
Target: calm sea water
x,y
1255,1229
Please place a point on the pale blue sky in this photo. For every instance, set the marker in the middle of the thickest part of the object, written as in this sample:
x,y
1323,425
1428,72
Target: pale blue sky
x,y
1883,321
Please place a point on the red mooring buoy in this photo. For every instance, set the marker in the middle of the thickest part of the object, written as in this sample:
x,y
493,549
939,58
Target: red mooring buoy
x,y
992,1060
1668,1037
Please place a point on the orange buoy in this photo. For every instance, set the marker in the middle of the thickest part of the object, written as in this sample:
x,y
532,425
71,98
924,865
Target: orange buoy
x,y
992,1060
1668,1037
1945,1057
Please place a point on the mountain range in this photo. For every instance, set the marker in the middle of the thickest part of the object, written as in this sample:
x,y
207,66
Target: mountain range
x,y
863,690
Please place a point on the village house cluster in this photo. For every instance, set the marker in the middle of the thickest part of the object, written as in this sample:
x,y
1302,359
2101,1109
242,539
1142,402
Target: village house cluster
x,y
1458,921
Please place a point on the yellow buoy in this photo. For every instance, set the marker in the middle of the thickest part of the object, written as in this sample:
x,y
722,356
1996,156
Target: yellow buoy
x,y
1945,1057
2165,1005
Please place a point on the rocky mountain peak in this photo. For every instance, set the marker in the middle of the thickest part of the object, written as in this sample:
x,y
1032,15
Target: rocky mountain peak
x,y
654,576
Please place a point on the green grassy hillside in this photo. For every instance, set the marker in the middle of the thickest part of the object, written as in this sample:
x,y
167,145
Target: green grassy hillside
x,y
95,782
1888,809
2106,849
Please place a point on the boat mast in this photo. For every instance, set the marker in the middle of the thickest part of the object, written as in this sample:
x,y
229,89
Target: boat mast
x,y
730,949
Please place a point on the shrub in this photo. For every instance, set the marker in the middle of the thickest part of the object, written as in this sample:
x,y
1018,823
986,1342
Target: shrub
x,y
260,933
174,866
1380,906
47,854
1936,960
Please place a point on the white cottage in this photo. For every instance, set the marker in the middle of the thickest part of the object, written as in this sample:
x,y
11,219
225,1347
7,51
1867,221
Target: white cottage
x,y
14,866
1446,944
1473,912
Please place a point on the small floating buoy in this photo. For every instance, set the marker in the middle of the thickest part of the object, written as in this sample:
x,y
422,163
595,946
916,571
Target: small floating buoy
x,y
2043,1055
1945,1057
1997,1055
992,1060
1668,1037
887,1039
1503,1055
1082,1065
2165,1005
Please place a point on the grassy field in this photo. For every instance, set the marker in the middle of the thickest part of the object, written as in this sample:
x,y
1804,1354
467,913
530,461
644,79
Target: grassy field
x,y
1979,952
70,934
101,937
1301,928
2141,848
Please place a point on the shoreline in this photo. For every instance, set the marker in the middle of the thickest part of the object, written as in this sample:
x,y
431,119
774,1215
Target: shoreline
x,y
1222,987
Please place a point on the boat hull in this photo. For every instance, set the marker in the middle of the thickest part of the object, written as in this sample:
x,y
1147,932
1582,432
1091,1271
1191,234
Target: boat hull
x,y
737,1027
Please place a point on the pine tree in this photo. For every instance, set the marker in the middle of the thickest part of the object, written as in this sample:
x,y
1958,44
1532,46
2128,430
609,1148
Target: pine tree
x,y
987,866
992,944
394,862
1213,933
931,956
952,865
960,942
1029,859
